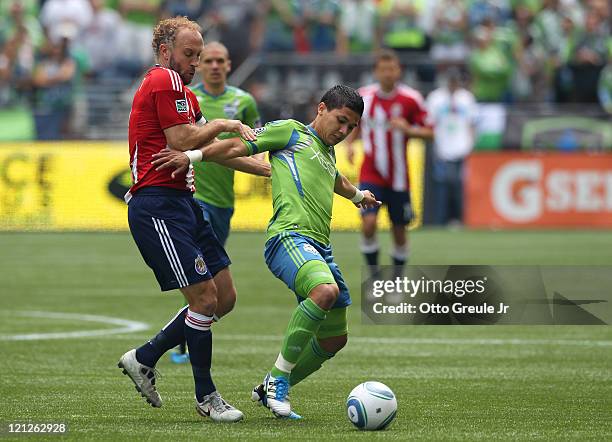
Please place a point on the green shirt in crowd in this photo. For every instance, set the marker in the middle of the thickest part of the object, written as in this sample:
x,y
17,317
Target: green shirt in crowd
x,y
490,70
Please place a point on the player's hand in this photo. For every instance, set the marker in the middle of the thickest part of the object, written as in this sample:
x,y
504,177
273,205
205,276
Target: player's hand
x,y
399,123
168,158
236,126
369,201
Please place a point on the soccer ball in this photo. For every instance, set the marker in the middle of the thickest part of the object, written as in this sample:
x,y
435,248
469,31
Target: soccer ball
x,y
371,406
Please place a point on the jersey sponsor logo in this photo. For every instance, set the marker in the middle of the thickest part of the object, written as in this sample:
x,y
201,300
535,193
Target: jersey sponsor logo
x,y
258,131
200,265
324,161
181,106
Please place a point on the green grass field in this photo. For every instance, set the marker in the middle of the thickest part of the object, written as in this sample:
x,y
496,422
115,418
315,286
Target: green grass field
x,y
452,383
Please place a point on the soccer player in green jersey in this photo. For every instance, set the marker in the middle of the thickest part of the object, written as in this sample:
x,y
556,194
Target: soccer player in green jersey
x,y
215,182
297,251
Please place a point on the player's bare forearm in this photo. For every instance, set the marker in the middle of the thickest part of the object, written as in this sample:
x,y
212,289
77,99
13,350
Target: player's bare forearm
x,y
218,151
420,132
344,187
224,150
410,130
362,199
185,137
248,165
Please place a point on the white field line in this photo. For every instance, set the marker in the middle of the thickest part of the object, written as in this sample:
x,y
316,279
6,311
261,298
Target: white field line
x,y
128,326
430,341
124,326
220,336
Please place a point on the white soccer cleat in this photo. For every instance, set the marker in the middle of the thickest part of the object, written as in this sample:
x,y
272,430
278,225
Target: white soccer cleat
x,y
215,407
142,376
277,395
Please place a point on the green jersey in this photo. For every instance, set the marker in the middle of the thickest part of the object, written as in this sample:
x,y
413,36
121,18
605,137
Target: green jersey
x,y
303,178
215,183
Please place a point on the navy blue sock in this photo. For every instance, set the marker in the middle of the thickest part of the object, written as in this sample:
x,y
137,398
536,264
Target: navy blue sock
x,y
398,267
199,341
399,262
371,258
169,337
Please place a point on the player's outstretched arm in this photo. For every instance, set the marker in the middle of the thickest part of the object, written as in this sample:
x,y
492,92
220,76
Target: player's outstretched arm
x,y
184,137
248,165
363,199
218,151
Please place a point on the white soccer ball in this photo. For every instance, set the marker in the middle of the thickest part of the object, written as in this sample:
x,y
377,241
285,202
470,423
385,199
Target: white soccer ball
x,y
371,406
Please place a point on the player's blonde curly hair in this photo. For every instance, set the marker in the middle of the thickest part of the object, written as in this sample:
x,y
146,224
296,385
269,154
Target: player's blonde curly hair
x,y
166,30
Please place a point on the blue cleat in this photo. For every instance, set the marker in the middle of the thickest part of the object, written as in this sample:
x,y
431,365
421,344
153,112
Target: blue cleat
x,y
258,396
292,416
179,358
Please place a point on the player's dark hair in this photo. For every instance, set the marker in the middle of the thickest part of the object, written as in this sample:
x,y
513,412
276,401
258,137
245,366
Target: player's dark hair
x,y
340,96
385,55
166,30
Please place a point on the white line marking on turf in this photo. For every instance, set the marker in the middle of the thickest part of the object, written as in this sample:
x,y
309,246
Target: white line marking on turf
x,y
419,341
433,341
128,326
125,326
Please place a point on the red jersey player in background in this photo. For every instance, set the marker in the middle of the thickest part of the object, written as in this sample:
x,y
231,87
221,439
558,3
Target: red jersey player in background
x,y
173,237
393,113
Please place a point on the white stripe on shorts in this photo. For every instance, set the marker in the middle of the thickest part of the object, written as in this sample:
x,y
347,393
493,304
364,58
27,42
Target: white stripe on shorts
x,y
166,242
178,261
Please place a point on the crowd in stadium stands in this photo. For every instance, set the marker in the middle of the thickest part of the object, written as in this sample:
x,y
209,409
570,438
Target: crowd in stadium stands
x,y
514,50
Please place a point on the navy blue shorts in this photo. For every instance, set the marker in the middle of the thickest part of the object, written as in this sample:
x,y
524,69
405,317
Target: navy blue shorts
x,y
287,252
398,203
219,218
174,238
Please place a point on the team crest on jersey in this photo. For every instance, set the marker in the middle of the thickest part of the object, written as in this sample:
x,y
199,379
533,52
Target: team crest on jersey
x,y
310,249
200,265
181,106
231,109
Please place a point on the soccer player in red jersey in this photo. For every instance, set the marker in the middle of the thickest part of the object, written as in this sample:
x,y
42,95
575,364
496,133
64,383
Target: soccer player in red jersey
x,y
167,224
393,113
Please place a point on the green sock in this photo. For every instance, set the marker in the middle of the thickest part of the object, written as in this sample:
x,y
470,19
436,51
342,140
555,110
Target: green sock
x,y
311,360
303,325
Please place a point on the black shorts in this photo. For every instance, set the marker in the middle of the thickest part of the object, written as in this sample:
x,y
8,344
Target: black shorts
x,y
398,203
174,238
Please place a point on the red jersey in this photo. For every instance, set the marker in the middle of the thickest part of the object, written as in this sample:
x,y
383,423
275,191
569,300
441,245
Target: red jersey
x,y
384,162
161,101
